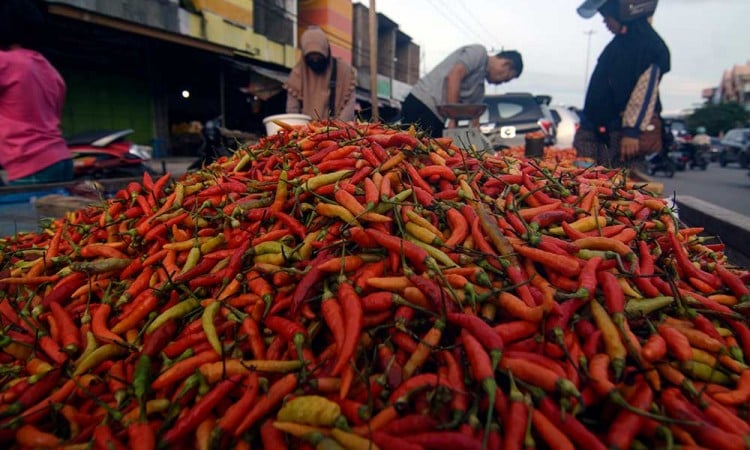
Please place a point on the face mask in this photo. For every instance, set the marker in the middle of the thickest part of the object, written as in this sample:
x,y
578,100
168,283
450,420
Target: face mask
x,y
317,66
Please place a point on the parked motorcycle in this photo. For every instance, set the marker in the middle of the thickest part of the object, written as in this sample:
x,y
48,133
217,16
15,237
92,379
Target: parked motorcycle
x,y
108,154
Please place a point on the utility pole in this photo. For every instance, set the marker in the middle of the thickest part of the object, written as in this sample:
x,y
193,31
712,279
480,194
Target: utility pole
x,y
588,34
373,26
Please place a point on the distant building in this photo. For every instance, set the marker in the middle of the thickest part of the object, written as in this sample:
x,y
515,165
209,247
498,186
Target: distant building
x,y
733,87
161,66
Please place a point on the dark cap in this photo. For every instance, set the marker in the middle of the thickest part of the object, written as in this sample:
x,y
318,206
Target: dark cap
x,y
589,8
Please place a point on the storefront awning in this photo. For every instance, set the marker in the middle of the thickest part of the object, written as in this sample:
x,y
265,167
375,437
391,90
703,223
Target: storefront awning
x,y
264,82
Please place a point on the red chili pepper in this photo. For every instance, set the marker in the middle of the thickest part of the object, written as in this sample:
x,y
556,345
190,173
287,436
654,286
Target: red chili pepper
x,y
655,348
434,293
733,282
742,333
444,440
423,197
351,308
402,139
563,264
723,417
33,393
104,439
291,223
310,279
614,297
290,331
137,310
628,424
155,342
64,288
478,328
386,440
53,350
481,367
236,413
547,218
687,265
70,336
417,382
705,433
276,393
515,426
394,244
200,411
677,343
566,422
99,324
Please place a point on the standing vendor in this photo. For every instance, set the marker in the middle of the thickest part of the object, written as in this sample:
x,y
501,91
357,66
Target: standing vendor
x,y
321,85
32,149
623,95
459,78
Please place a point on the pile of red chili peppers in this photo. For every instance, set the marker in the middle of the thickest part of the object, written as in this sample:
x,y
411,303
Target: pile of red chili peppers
x,y
356,286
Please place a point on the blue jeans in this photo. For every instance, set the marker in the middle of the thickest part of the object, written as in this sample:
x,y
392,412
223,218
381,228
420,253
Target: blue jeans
x,y
57,172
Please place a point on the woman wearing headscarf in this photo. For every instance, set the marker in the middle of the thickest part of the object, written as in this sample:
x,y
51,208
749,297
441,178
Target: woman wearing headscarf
x,y
313,89
622,95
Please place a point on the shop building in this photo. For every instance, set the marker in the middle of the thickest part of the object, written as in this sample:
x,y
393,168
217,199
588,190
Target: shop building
x,y
163,67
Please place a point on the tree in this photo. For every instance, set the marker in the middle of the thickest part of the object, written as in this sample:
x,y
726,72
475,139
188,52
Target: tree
x,y
719,118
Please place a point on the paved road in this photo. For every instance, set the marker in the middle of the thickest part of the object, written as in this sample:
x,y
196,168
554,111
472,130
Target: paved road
x,y
727,187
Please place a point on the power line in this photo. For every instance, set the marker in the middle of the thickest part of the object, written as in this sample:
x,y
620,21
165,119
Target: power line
x,y
469,26
450,20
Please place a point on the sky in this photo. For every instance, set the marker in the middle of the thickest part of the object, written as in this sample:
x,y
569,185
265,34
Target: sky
x,y
705,38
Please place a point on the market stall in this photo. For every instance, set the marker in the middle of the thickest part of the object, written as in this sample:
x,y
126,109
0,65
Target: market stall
x,y
356,286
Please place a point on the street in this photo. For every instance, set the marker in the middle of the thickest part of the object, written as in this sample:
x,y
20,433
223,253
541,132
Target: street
x,y
727,187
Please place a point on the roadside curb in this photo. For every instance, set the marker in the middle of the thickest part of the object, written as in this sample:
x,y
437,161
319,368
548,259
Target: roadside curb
x,y
733,228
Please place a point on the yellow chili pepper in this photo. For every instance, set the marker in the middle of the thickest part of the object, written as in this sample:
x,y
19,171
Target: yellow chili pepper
x,y
194,255
392,162
336,211
211,244
612,342
245,160
300,430
587,223
423,234
207,321
98,356
627,289
276,259
435,253
179,194
421,221
310,410
352,441
317,181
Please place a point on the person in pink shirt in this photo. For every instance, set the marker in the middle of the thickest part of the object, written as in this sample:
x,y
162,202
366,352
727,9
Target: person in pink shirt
x,y
32,149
